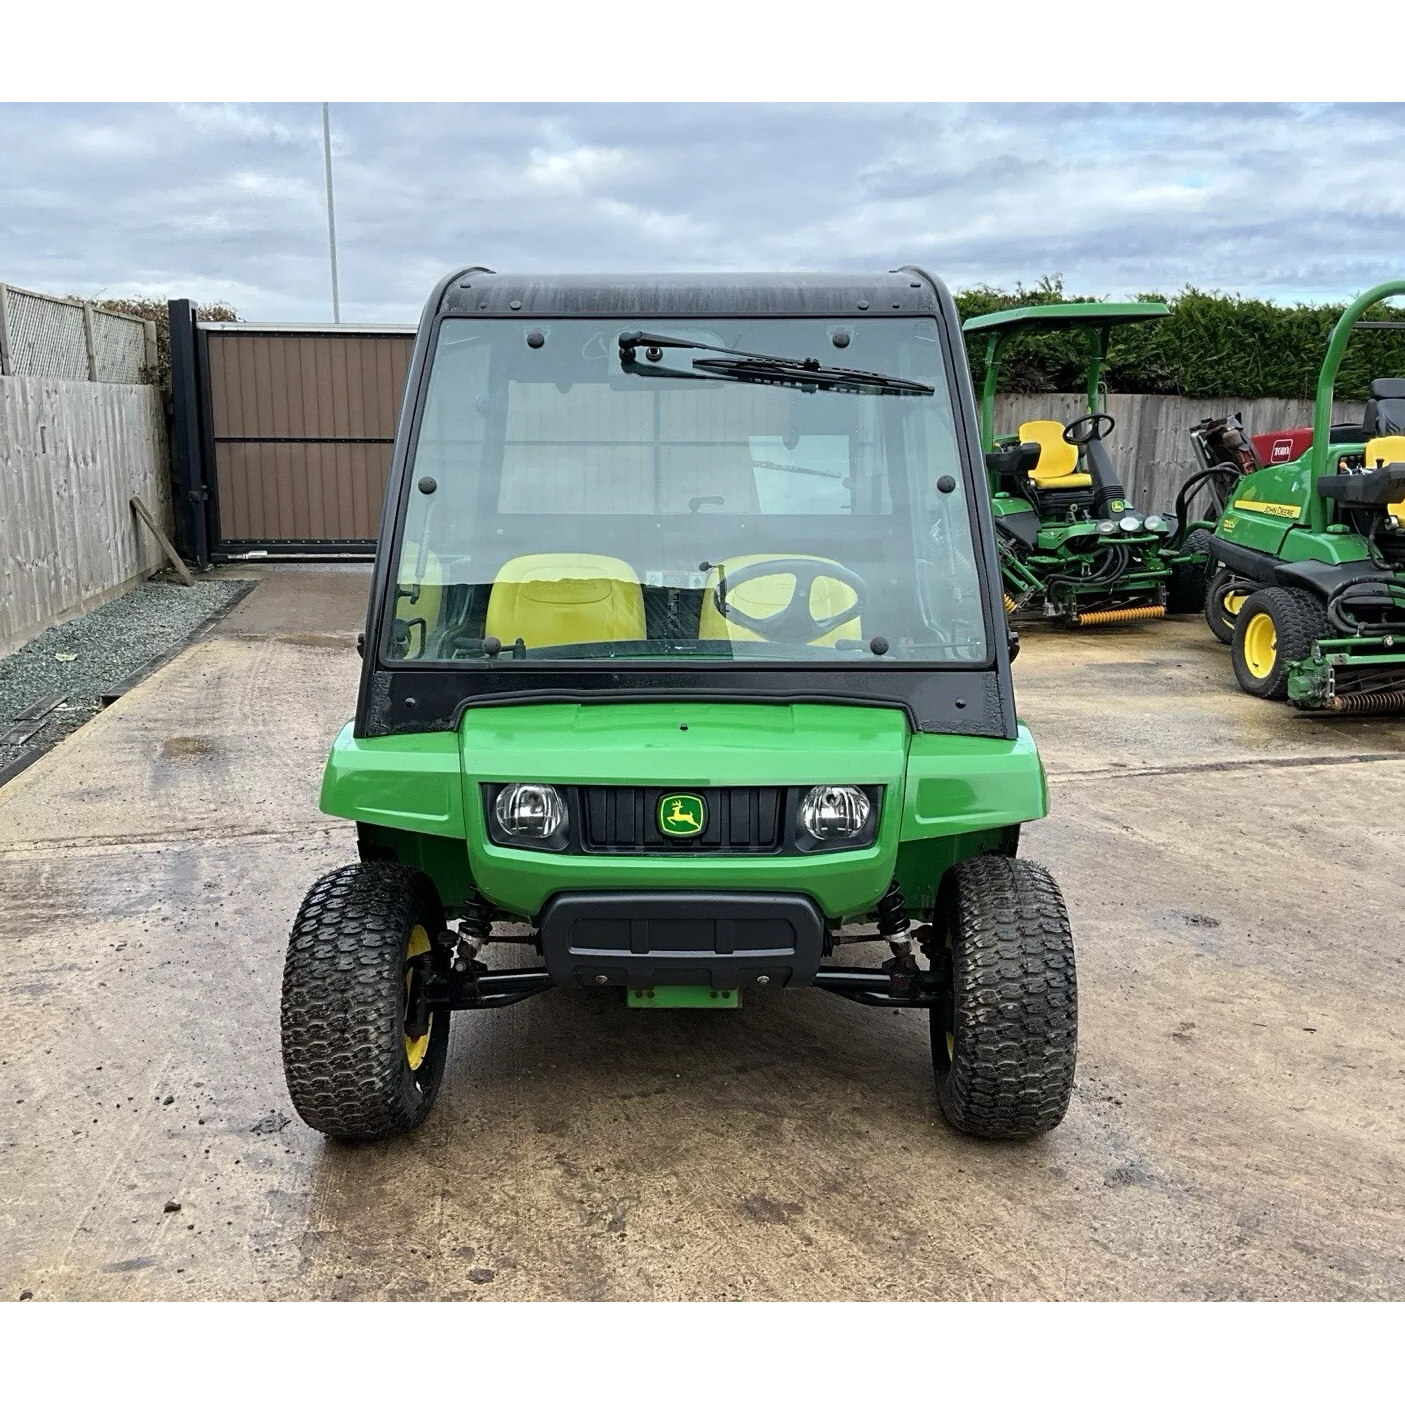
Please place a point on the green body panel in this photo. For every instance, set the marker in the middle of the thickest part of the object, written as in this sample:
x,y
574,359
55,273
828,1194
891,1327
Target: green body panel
x,y
683,997
945,795
411,782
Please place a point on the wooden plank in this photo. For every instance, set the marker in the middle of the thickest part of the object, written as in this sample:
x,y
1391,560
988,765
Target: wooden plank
x,y
172,555
42,708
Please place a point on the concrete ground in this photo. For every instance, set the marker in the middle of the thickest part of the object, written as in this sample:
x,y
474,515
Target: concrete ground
x,y
1234,873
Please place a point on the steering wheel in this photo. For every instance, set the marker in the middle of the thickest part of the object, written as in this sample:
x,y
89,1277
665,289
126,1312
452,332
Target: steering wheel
x,y
794,624
1074,434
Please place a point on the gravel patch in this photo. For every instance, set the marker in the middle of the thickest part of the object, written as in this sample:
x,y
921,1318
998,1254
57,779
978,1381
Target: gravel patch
x,y
91,655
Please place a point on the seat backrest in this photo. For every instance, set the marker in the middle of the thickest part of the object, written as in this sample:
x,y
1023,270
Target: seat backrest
x,y
1385,449
763,596
1385,410
565,598
1057,459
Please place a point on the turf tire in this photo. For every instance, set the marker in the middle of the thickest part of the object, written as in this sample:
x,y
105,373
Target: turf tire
x,y
1299,620
1186,593
1219,619
1011,1003
343,1007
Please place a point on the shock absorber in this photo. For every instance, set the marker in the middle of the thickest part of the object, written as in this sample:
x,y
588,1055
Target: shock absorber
x,y
475,928
893,921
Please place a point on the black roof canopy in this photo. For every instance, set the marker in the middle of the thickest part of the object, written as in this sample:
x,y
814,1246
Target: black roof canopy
x,y
478,292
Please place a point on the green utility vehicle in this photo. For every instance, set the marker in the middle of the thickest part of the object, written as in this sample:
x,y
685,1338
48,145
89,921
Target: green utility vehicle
x,y
1315,553
1072,547
685,654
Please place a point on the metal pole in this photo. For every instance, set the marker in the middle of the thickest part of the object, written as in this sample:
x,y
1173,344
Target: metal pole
x,y
331,207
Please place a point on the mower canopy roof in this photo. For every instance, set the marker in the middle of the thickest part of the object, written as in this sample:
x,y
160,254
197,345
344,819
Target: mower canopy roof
x,y
1064,316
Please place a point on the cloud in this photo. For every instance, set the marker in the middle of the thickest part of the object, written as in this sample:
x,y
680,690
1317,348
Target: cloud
x,y
226,200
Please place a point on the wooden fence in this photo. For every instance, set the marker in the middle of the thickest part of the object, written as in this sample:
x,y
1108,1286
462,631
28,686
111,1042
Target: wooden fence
x,y
1151,443
72,454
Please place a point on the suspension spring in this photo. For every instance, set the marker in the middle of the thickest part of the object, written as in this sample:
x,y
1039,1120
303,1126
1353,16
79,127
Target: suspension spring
x,y
893,920
475,928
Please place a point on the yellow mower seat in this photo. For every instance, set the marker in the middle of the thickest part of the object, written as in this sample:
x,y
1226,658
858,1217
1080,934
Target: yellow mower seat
x,y
1057,458
1388,448
764,596
565,598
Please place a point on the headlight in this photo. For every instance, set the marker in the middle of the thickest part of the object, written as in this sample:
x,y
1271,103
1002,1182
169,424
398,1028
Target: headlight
x,y
1156,523
1105,527
1130,523
530,811
834,811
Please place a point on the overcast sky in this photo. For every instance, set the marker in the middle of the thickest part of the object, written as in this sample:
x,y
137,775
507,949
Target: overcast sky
x,y
227,202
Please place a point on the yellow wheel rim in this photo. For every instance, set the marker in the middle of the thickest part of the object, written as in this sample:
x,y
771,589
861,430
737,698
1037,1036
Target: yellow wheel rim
x,y
1232,601
1260,645
416,1049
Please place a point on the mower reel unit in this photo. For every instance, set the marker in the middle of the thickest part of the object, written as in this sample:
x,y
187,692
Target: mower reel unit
x,y
1311,551
1072,547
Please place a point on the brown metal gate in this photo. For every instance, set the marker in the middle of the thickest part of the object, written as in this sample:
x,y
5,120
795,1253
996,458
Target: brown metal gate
x,y
294,437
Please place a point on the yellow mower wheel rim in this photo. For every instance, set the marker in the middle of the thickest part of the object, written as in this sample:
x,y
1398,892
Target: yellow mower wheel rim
x,y
1260,645
1233,601
416,1049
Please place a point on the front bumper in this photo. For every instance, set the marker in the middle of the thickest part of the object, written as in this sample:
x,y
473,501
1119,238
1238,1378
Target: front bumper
x,y
648,939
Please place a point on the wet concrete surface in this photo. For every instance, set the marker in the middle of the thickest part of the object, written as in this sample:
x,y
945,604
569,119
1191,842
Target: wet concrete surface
x,y
1235,876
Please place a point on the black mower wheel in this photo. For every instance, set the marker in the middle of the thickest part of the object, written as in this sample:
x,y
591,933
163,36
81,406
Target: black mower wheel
x,y
1186,593
1005,1033
360,1063
1223,601
1274,627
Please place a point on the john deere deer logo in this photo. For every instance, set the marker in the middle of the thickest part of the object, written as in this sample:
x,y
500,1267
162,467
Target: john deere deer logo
x,y
681,815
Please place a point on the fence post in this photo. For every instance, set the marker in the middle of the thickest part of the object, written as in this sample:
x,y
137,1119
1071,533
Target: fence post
x,y
89,341
193,490
151,354
7,361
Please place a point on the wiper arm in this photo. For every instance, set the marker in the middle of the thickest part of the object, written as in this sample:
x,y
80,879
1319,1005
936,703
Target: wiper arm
x,y
767,370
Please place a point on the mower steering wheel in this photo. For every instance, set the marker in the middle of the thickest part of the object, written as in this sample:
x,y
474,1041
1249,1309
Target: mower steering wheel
x,y
794,624
1074,433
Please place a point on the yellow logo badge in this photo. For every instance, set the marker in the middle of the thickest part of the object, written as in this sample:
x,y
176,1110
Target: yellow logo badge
x,y
681,816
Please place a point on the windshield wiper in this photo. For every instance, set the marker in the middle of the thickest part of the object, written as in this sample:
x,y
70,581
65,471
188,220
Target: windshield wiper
x,y
766,370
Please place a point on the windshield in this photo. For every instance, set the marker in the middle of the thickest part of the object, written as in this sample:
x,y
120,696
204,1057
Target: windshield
x,y
738,489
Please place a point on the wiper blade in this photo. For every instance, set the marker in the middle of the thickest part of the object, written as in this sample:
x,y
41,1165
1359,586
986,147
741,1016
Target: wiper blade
x,y
767,370
781,370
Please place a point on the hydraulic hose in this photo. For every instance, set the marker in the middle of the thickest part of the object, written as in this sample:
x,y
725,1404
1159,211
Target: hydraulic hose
x,y
1191,487
1382,596
1113,562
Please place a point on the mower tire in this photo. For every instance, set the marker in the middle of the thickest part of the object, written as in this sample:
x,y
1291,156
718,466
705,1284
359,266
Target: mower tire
x,y
1185,595
362,1059
1274,628
1223,601
1005,1030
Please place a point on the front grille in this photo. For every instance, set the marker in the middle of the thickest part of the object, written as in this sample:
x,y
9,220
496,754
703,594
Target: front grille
x,y
623,820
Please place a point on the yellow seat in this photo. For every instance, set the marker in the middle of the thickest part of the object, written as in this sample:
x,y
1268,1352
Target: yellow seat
x,y
764,596
566,598
1388,448
1057,457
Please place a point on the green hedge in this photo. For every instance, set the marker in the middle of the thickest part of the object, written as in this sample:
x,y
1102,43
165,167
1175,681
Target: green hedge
x,y
1211,345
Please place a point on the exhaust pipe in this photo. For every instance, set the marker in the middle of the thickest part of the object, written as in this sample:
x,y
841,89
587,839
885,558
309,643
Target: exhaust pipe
x,y
1136,612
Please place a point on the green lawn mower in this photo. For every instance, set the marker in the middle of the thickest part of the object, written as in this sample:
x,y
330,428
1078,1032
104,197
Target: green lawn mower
x,y
1072,548
1311,554
686,655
